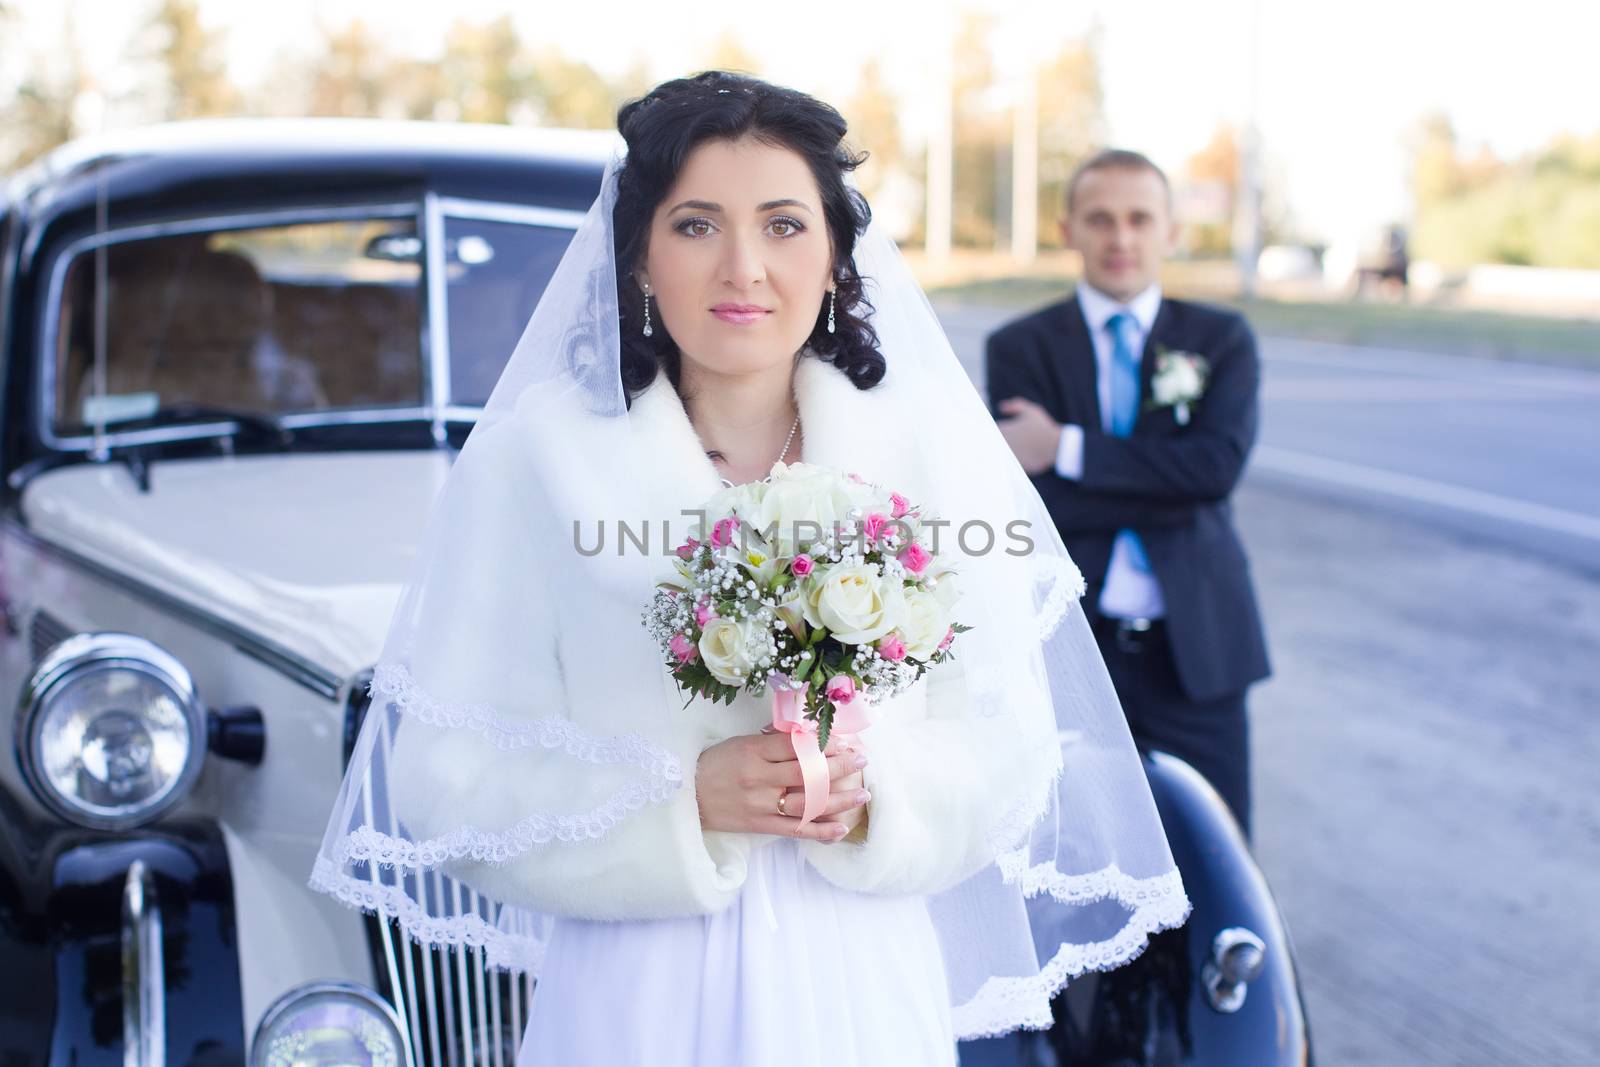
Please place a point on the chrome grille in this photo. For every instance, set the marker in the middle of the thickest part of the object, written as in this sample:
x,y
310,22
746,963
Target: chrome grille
x,y
459,1013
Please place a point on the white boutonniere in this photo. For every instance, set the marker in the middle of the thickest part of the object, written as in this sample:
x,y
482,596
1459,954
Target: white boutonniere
x,y
1179,381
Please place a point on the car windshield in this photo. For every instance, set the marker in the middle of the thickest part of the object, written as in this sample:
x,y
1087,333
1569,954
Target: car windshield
x,y
298,317
293,319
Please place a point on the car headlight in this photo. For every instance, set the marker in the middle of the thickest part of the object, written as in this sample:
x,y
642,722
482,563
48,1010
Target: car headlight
x,y
110,733
321,1024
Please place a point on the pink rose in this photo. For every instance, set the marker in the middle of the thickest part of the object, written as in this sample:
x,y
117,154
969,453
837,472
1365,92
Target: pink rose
x,y
686,550
704,612
683,648
802,566
892,646
841,689
899,506
949,635
722,532
915,558
873,526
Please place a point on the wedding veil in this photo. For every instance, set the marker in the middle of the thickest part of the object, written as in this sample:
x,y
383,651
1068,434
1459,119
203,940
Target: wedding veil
x,y
526,663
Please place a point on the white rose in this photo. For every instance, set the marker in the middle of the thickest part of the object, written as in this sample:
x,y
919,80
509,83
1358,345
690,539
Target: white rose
x,y
741,500
1178,382
944,588
803,493
855,603
923,624
730,648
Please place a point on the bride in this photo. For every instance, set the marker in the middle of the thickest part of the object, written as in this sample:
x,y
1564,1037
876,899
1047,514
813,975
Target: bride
x,y
529,781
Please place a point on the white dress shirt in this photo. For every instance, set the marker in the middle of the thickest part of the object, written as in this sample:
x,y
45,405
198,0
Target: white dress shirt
x,y
1129,593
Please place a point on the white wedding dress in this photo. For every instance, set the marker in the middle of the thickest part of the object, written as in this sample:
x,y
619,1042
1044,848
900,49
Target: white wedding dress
x,y
794,973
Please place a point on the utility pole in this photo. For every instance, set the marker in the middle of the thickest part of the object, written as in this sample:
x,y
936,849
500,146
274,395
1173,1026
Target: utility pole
x,y
941,148
1025,165
1247,211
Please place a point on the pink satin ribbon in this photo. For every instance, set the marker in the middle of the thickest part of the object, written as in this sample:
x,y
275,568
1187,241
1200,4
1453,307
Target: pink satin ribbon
x,y
788,716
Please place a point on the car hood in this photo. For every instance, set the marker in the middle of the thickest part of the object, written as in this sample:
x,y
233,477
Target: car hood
x,y
307,551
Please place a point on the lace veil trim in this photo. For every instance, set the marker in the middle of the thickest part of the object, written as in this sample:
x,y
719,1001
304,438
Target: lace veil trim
x,y
1004,1004
663,778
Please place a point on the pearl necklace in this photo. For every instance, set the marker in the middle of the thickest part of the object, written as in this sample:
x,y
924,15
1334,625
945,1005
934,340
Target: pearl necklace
x,y
784,451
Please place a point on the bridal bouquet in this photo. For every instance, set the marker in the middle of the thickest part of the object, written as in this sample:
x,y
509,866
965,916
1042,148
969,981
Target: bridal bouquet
x,y
813,585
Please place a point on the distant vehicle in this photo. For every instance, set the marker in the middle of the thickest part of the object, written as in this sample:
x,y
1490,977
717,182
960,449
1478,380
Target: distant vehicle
x,y
1289,263
1384,265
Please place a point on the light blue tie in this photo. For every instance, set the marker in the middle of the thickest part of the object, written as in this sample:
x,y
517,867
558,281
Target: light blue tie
x,y
1124,411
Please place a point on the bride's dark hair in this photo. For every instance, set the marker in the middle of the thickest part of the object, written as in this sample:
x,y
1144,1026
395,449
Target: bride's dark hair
x,y
661,129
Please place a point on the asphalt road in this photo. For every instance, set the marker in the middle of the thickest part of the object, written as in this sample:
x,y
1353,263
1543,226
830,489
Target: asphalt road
x,y
1425,536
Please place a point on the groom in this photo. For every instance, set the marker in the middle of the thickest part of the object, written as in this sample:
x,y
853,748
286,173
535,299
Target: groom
x,y
1134,414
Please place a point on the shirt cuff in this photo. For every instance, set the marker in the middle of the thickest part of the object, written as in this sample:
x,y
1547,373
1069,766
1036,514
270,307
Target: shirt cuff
x,y
1069,452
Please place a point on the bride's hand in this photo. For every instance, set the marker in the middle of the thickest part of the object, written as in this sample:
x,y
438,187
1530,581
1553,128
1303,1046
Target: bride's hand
x,y
738,783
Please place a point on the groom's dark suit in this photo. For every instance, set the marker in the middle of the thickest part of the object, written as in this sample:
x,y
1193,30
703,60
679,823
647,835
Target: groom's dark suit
x,y
1182,681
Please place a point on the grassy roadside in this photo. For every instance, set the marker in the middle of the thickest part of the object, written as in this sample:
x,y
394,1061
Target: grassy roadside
x,y
1572,342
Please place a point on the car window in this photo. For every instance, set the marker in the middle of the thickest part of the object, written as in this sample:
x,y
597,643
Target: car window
x,y
496,273
274,319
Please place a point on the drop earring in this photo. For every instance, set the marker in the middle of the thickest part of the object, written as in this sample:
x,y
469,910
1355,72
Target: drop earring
x,y
648,332
831,295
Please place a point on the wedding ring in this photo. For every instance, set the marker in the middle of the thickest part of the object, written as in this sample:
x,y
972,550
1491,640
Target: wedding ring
x,y
783,798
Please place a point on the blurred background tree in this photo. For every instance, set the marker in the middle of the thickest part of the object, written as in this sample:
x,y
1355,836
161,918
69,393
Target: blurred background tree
x,y
483,75
353,74
1072,125
1469,206
728,53
982,137
571,93
40,114
891,178
873,113
1473,207
191,72
1214,175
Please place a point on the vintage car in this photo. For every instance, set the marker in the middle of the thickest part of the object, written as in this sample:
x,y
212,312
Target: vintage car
x,y
238,359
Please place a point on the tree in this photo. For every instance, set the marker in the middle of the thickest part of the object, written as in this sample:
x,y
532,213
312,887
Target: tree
x,y
569,92
1436,173
873,114
40,116
982,137
1541,210
484,72
192,70
1072,124
727,53
355,76
1217,169
635,81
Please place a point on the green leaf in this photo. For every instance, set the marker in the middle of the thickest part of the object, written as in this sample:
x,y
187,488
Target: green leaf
x,y
824,724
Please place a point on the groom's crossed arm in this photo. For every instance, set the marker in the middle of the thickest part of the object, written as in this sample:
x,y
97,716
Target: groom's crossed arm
x,y
1015,370
1203,462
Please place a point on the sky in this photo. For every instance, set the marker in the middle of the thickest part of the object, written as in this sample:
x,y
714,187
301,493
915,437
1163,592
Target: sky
x,y
1333,86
